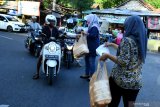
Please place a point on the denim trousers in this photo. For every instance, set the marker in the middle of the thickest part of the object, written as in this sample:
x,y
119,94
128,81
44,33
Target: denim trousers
x,y
90,65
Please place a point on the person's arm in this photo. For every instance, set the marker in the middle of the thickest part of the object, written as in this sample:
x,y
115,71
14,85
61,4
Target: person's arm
x,y
123,58
111,44
39,26
108,56
56,33
93,33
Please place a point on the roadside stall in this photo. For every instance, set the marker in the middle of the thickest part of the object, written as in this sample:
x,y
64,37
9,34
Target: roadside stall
x,y
116,18
153,25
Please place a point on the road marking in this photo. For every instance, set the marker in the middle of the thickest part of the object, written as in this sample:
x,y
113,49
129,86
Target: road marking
x,y
4,105
6,37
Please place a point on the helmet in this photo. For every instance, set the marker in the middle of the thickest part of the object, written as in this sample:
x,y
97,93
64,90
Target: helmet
x,y
34,17
50,18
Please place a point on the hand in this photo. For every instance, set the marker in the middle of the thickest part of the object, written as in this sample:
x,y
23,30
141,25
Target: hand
x,y
78,36
83,33
103,57
108,44
62,48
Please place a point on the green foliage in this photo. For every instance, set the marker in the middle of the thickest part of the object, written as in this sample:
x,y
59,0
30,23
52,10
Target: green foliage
x,y
82,5
155,3
109,3
77,4
46,3
65,2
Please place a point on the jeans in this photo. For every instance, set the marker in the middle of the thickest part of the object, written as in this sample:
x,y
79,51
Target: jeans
x,y
129,95
90,65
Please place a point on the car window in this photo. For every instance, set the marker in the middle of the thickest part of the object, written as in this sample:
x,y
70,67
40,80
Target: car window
x,y
10,18
2,18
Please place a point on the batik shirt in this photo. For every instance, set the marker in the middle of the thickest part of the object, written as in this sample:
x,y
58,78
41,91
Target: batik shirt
x,y
127,73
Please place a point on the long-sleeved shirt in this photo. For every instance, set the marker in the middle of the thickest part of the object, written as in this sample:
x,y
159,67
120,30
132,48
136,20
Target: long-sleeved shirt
x,y
127,73
93,40
35,26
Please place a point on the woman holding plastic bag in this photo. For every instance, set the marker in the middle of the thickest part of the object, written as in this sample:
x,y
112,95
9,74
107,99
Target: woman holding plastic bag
x,y
126,79
92,42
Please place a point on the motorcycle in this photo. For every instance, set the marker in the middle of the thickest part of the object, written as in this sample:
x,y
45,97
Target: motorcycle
x,y
68,56
34,42
68,39
51,59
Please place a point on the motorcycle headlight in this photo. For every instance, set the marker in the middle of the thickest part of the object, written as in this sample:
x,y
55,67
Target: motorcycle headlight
x,y
69,47
52,47
36,38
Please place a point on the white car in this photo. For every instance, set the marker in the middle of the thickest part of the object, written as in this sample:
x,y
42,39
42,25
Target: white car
x,y
10,24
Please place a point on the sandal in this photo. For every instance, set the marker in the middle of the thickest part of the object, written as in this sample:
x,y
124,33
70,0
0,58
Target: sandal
x,y
84,76
36,76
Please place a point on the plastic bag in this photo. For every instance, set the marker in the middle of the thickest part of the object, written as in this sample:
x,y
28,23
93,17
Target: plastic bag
x,y
80,47
102,49
99,89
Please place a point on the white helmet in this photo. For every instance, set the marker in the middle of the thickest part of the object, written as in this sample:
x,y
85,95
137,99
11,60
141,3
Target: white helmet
x,y
50,18
34,17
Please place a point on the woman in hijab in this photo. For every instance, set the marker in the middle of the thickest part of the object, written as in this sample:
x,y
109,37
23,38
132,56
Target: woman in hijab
x,y
126,76
93,42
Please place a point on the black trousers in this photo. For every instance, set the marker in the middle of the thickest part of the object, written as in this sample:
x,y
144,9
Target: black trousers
x,y
129,95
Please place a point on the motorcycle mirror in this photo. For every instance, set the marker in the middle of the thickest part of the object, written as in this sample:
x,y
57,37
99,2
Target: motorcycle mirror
x,y
40,32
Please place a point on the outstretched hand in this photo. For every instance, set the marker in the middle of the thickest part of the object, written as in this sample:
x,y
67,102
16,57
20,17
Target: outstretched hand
x,y
108,44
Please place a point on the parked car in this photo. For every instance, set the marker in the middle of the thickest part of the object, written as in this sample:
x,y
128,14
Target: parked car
x,y
10,24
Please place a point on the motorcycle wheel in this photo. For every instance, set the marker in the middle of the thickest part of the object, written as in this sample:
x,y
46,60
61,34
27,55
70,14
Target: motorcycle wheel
x,y
50,75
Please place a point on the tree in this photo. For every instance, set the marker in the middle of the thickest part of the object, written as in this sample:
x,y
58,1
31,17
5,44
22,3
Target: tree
x,y
109,3
47,4
82,5
155,3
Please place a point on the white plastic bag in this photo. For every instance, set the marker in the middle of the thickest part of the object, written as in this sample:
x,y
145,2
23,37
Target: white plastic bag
x,y
102,49
99,89
80,47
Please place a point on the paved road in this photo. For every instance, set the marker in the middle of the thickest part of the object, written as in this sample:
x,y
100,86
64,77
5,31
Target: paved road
x,y
17,89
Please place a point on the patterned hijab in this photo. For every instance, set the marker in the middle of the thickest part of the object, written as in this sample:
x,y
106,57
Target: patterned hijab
x,y
135,29
93,19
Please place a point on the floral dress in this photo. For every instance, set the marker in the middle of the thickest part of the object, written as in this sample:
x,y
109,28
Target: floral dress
x,y
127,73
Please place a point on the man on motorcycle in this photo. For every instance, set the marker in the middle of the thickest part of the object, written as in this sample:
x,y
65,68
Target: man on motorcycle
x,y
49,30
70,23
34,25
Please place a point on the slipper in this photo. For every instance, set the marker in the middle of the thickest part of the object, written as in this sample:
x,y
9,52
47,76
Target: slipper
x,y
36,76
84,76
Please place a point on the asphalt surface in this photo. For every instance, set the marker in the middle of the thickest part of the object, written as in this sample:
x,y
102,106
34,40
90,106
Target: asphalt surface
x,y
18,89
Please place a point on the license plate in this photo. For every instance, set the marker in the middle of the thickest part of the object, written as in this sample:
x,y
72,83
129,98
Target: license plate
x,y
51,57
69,52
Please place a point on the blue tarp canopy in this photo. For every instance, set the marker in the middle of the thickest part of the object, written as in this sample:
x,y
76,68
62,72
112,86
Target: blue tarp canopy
x,y
125,12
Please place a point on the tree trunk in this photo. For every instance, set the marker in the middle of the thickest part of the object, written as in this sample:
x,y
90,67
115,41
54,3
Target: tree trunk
x,y
54,5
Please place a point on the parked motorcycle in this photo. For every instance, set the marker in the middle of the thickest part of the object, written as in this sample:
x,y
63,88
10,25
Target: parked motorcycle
x,y
51,59
34,42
